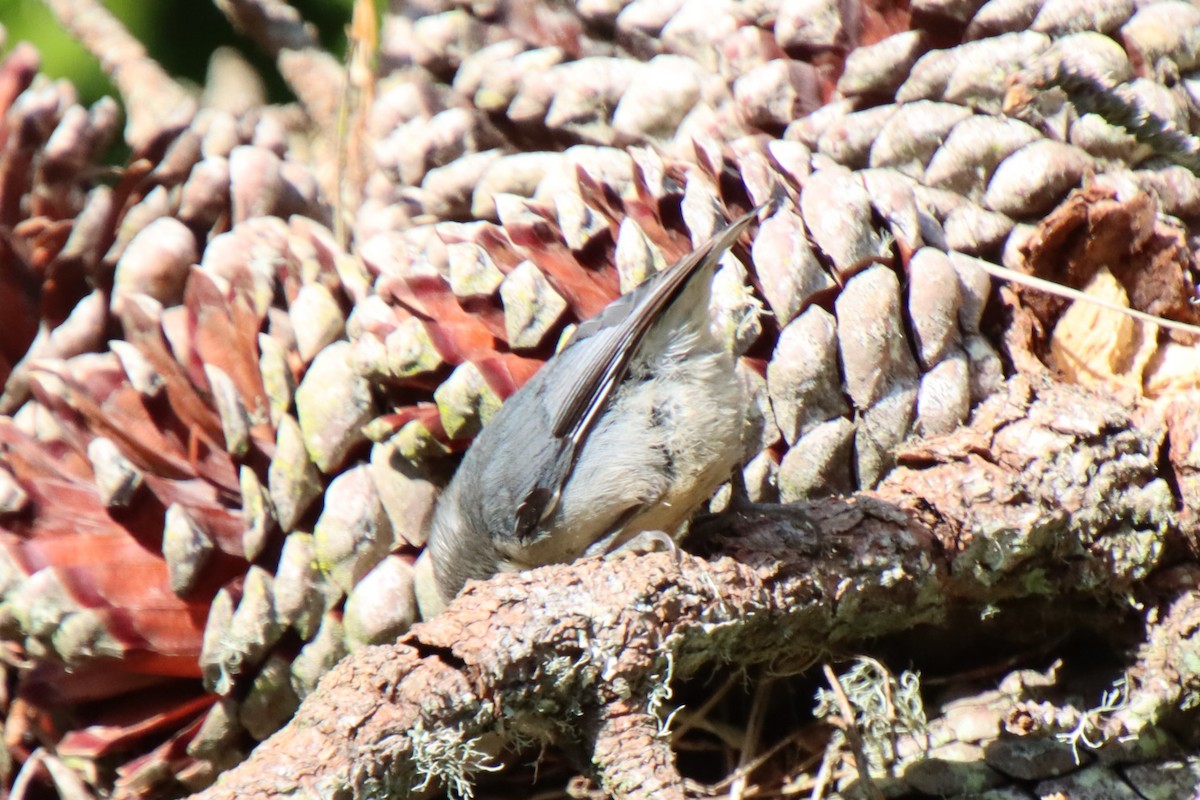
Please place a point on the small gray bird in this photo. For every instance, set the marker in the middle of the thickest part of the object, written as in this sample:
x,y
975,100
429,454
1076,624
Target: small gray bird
x,y
629,428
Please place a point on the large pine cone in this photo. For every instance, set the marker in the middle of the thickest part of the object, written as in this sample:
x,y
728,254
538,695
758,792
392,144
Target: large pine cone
x,y
225,424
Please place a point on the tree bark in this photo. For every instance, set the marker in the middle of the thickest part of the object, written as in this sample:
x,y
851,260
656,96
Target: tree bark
x,y
1051,492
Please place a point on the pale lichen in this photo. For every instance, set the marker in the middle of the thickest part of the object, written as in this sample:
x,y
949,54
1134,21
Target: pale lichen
x,y
885,707
447,756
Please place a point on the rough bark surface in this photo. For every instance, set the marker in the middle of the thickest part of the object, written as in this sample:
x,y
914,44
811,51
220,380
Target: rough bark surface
x,y
1051,492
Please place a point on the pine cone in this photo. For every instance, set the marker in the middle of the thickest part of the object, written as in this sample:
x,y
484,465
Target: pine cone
x,y
226,429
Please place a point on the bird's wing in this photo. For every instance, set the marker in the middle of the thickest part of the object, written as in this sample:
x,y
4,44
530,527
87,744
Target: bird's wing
x,y
624,323
614,335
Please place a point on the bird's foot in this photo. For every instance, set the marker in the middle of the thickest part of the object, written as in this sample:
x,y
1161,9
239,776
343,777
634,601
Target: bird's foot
x,y
639,543
649,542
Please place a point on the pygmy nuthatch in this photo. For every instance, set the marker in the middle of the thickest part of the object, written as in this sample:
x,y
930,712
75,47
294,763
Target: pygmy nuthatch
x,y
628,429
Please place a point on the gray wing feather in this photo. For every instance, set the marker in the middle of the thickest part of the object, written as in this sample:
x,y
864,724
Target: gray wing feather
x,y
620,328
628,319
